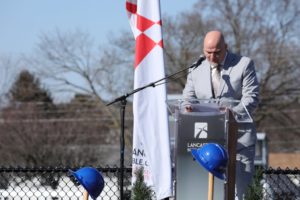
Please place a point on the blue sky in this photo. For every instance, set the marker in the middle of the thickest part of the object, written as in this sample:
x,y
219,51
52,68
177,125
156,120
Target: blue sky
x,y
23,21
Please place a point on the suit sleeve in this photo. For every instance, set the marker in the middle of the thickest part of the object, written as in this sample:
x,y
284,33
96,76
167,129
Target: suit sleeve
x,y
189,89
250,89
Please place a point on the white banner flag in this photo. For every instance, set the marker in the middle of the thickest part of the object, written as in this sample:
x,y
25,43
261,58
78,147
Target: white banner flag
x,y
151,148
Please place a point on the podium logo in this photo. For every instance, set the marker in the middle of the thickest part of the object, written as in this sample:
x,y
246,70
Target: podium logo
x,y
200,130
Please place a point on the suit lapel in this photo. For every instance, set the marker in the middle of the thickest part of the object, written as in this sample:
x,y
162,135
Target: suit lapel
x,y
225,72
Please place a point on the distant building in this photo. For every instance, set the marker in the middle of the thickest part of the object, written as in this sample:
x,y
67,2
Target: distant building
x,y
261,151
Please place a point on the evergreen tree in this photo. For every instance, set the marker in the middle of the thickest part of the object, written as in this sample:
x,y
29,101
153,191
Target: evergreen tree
x,y
140,190
27,89
255,190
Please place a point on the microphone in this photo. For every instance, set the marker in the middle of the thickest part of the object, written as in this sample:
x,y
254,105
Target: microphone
x,y
198,62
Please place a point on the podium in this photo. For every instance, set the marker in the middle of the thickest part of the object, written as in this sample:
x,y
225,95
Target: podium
x,y
211,121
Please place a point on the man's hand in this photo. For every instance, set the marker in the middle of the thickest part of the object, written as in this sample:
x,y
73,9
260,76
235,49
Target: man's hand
x,y
188,108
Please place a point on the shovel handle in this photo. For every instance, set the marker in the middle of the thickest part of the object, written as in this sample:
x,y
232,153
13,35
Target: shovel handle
x,y
210,186
85,195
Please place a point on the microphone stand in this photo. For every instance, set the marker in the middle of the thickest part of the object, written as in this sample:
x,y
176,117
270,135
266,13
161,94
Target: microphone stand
x,y
123,101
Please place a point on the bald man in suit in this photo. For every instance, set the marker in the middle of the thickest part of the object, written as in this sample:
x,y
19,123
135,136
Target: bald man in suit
x,y
237,81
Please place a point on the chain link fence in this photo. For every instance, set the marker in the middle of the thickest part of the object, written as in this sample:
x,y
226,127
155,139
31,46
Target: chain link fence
x,y
54,183
281,184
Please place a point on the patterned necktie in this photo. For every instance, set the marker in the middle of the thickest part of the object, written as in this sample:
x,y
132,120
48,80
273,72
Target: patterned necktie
x,y
215,78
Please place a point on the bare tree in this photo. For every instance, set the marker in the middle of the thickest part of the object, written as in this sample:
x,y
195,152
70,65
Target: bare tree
x,y
30,137
35,132
268,31
70,62
265,30
8,72
182,39
70,59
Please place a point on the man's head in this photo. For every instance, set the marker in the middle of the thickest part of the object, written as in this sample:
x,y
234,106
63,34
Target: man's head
x,y
214,47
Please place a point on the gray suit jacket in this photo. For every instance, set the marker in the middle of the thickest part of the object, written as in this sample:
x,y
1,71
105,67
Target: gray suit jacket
x,y
238,82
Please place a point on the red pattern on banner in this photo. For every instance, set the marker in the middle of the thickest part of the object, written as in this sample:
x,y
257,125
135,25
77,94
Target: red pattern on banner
x,y
161,43
143,23
130,7
143,46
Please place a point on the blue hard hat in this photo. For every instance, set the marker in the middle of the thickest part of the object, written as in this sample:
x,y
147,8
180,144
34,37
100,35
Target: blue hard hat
x,y
213,157
91,179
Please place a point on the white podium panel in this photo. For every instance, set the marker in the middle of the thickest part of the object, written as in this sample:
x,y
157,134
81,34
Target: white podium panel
x,y
193,130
